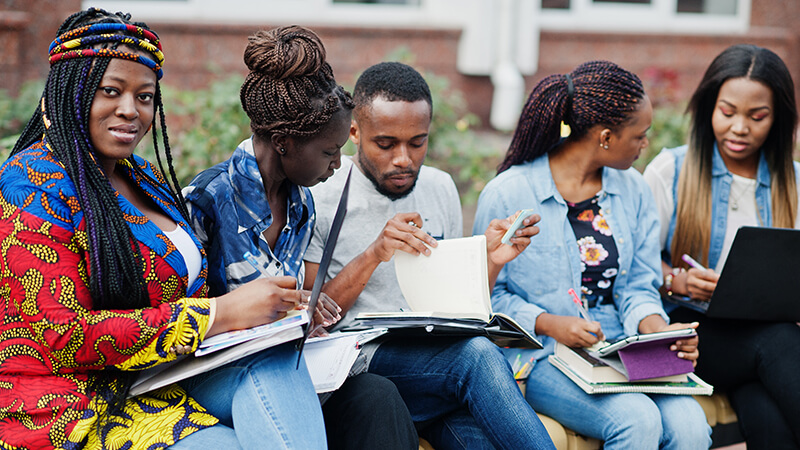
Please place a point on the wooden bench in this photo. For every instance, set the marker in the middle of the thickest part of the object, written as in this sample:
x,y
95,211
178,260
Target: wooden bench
x,y
716,407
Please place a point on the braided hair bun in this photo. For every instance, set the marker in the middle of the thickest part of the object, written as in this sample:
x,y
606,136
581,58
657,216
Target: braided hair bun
x,y
290,88
285,52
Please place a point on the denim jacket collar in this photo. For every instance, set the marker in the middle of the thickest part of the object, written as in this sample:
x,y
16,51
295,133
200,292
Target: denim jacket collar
x,y
718,168
544,187
721,179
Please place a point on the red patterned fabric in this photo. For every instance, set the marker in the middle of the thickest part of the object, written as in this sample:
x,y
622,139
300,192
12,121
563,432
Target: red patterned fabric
x,y
52,344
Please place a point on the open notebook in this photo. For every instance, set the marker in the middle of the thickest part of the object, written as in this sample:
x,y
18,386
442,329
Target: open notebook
x,y
448,293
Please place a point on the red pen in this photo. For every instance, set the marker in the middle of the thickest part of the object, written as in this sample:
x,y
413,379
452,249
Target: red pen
x,y
581,309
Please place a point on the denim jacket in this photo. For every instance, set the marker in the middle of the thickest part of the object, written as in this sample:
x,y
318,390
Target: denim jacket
x,y
720,193
537,280
229,213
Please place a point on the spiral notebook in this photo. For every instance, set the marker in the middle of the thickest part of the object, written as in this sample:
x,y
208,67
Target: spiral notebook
x,y
694,385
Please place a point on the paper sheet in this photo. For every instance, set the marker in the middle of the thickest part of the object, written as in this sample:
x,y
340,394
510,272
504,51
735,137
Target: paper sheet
x,y
452,281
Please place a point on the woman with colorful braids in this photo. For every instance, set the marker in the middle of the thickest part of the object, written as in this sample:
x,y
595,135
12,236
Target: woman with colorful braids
x,y
599,236
101,275
258,203
737,170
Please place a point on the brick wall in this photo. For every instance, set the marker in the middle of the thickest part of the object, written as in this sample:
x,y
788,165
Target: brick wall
x,y
197,54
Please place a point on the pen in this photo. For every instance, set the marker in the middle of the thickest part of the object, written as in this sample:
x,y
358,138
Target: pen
x,y
252,260
690,261
581,308
515,367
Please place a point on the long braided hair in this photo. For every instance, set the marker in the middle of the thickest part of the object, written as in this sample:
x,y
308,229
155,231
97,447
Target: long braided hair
x,y
595,93
116,265
290,88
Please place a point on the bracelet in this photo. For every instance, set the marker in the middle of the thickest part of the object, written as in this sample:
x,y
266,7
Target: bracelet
x,y
670,276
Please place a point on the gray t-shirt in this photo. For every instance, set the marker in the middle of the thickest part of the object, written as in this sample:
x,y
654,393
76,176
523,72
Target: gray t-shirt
x,y
434,197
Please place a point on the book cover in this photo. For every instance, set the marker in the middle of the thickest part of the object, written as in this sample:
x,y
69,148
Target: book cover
x,y
191,365
600,370
294,318
646,356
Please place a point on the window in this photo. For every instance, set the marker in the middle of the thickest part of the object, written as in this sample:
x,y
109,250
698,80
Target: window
x,y
726,7
390,2
648,16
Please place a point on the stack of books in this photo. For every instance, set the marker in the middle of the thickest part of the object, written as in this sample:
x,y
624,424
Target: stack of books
x,y
597,374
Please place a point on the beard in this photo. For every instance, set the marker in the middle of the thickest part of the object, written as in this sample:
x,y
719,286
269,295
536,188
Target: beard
x,y
372,174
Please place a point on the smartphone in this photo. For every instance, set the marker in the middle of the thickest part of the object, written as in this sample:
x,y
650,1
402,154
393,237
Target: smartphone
x,y
516,225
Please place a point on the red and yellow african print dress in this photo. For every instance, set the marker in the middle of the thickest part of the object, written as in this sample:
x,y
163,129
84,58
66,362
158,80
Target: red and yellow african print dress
x,y
51,341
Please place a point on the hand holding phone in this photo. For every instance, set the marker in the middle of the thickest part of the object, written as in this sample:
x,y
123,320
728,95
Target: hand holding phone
x,y
516,225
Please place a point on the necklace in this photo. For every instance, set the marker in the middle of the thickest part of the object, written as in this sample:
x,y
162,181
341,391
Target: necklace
x,y
735,200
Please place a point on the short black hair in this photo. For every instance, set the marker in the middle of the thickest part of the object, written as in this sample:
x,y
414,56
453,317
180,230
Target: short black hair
x,y
392,81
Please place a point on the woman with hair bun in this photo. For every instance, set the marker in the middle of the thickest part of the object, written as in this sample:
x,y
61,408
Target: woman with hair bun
x,y
101,275
598,236
258,203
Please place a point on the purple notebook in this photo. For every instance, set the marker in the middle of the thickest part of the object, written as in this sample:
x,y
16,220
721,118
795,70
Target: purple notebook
x,y
644,356
651,359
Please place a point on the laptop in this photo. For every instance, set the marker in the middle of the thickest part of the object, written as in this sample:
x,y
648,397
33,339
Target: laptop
x,y
760,279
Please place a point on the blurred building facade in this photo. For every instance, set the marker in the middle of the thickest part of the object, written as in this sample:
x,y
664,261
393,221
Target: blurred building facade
x,y
669,43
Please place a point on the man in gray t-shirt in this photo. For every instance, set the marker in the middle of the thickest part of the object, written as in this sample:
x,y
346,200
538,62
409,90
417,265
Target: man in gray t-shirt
x,y
459,391
434,197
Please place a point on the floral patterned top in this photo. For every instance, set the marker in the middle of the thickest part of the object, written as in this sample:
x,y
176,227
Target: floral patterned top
x,y
598,252
52,343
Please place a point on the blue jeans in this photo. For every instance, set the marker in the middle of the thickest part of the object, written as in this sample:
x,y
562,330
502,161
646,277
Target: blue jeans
x,y
464,388
261,401
623,421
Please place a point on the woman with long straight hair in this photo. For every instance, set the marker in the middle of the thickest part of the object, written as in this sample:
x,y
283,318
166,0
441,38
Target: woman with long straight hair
x,y
737,170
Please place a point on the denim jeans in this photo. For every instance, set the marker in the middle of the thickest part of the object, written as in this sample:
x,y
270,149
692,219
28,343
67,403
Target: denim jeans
x,y
262,401
623,421
464,388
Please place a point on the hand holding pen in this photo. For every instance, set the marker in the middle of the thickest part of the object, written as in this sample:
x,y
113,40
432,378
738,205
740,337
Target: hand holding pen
x,y
327,312
581,307
570,330
700,281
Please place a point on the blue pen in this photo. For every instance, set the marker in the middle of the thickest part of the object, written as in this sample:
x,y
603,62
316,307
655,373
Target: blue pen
x,y
252,260
690,261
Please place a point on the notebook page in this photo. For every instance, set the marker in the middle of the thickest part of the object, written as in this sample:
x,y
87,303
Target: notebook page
x,y
453,280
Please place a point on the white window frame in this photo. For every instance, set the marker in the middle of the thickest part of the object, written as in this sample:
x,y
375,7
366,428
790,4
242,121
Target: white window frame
x,y
660,16
476,20
307,12
479,21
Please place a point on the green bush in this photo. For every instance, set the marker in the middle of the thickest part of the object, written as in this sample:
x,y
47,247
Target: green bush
x,y
669,129
15,113
204,126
